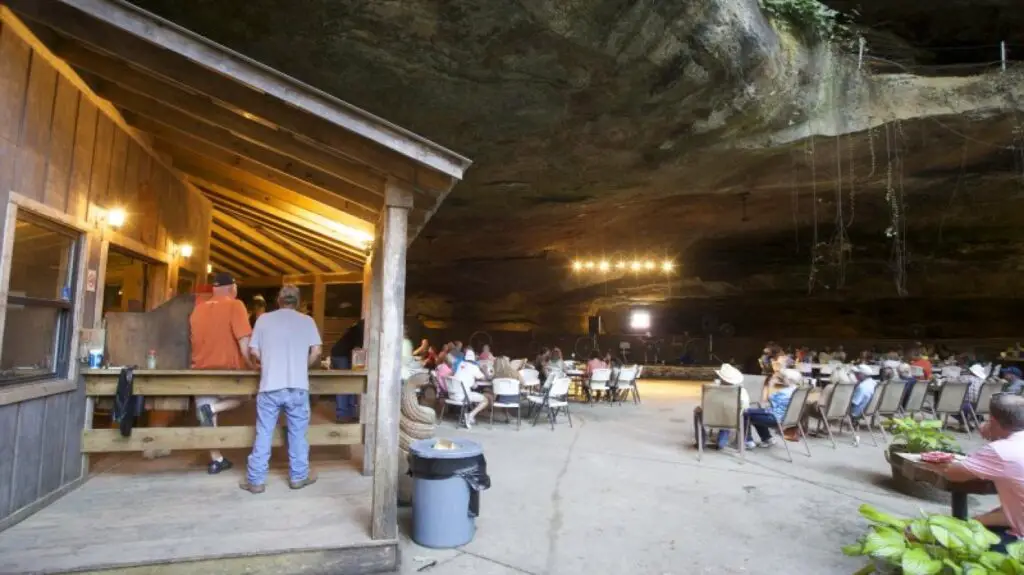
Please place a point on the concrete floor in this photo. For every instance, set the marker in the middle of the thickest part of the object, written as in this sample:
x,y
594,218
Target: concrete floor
x,y
623,492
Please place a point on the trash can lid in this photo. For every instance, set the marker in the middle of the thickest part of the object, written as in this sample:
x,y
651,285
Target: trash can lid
x,y
462,449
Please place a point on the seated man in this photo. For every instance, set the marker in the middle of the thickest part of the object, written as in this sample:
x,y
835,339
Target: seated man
x,y
1001,462
1014,380
468,374
866,385
727,375
839,375
763,419
905,374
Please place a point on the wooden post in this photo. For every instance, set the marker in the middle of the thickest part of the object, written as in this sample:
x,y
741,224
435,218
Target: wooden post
x,y
319,301
398,199
371,339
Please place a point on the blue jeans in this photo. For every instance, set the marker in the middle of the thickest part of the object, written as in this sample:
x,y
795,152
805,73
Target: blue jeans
x,y
763,420
295,403
346,406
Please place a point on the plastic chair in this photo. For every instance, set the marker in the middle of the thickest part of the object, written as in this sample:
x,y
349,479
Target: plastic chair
x,y
625,385
456,396
529,379
600,380
506,386
720,408
555,400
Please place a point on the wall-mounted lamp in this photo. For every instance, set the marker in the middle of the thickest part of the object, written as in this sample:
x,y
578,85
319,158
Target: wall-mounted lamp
x,y
116,217
209,268
186,250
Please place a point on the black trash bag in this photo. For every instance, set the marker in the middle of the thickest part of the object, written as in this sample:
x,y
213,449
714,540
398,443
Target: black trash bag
x,y
127,405
473,470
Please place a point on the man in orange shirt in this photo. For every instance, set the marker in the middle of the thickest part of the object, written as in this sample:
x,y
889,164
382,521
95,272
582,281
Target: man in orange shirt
x,y
921,360
220,340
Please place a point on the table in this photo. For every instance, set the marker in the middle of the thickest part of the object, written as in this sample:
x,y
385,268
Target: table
x,y
910,466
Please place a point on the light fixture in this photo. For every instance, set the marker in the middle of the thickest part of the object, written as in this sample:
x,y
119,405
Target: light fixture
x,y
603,266
209,268
667,266
640,320
116,217
186,250
621,265
649,265
635,266
577,265
589,265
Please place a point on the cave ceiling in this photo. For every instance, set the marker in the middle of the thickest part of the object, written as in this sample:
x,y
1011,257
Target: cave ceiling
x,y
628,128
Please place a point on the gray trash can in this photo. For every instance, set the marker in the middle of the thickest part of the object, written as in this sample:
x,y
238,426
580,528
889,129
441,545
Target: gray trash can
x,y
446,486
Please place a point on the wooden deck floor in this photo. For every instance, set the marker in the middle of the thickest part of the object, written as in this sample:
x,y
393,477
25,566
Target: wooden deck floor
x,y
140,512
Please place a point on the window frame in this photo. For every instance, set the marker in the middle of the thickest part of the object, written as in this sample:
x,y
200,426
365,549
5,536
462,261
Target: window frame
x,y
62,350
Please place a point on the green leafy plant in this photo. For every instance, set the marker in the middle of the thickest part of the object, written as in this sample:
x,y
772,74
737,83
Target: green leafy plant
x,y
810,18
932,545
911,436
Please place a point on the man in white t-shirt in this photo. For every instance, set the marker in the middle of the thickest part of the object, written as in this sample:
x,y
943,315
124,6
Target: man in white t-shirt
x,y
468,374
286,343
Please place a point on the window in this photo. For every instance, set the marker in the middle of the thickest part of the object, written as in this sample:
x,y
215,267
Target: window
x,y
125,282
40,301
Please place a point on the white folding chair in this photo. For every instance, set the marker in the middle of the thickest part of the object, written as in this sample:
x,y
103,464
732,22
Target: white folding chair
x,y
639,369
555,399
529,379
625,385
792,419
838,408
456,397
951,401
506,386
517,364
720,408
600,380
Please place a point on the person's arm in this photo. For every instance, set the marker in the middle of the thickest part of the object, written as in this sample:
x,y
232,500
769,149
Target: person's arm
x,y
315,344
242,330
982,464
253,344
314,355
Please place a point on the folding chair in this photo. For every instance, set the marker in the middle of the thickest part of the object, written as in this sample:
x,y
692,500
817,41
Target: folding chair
x,y
839,405
719,408
915,401
456,396
871,410
951,401
792,419
625,385
636,382
529,379
555,399
988,389
600,380
888,406
506,386
755,385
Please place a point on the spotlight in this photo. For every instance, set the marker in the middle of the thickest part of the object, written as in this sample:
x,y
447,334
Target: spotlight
x,y
589,265
577,265
666,267
603,266
640,320
635,266
186,250
649,265
621,265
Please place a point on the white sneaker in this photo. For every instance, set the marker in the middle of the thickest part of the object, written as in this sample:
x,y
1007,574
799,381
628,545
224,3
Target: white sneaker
x,y
771,441
470,421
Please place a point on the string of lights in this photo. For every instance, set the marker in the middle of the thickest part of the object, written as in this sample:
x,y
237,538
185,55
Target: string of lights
x,y
636,266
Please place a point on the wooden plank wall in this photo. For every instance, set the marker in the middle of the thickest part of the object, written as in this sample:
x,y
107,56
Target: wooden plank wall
x,y
59,148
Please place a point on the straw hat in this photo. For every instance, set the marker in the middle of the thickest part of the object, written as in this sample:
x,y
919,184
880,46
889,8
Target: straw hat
x,y
979,371
792,376
729,374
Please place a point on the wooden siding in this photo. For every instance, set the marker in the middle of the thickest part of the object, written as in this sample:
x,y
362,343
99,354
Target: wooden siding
x,y
61,149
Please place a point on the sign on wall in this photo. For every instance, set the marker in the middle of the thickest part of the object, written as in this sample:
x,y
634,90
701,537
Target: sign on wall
x,y
90,280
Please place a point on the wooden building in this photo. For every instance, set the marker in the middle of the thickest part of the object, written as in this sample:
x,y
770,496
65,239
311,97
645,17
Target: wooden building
x,y
214,162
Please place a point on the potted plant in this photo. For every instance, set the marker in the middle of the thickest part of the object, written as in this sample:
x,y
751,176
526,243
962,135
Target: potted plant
x,y
912,436
932,545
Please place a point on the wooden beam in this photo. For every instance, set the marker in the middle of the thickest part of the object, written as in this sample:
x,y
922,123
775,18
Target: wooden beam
x,y
220,383
319,301
283,248
249,243
290,231
186,72
229,266
398,201
169,104
332,264
254,266
229,437
303,279
242,269
312,221
221,145
234,177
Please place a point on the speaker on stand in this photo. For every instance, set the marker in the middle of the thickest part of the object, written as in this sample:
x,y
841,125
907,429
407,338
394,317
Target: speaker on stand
x,y
594,325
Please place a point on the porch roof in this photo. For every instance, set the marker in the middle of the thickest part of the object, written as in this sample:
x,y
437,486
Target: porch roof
x,y
296,176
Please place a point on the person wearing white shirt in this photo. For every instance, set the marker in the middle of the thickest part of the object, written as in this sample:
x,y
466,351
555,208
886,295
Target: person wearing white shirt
x,y
468,374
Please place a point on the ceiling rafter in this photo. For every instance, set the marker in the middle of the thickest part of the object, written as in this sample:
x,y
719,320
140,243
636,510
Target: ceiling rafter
x,y
257,246
281,251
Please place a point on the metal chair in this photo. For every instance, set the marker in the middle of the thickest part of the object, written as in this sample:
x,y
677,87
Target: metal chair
x,y
915,401
888,406
792,419
871,409
838,407
982,407
951,402
755,386
506,386
719,408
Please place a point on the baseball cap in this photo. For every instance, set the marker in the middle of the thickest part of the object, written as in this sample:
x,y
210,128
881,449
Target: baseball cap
x,y
221,279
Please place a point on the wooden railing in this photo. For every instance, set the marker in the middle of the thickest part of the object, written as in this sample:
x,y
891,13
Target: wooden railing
x,y
171,390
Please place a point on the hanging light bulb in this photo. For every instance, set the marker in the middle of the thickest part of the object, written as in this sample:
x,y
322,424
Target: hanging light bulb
x,y
649,265
667,266
635,266
590,265
577,265
621,265
604,266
